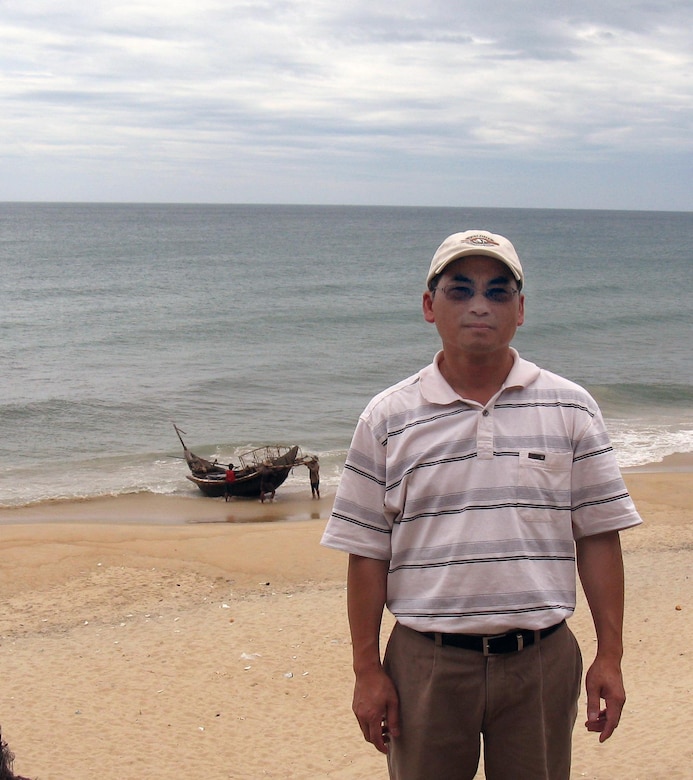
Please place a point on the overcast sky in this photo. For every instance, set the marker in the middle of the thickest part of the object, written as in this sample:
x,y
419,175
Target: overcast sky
x,y
504,103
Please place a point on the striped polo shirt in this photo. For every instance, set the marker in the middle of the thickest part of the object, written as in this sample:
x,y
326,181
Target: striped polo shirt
x,y
477,507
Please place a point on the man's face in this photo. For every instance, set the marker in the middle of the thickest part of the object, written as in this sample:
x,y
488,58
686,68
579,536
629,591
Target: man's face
x,y
476,306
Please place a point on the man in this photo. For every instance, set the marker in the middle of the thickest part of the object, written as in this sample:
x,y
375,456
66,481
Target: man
x,y
229,480
313,466
468,493
267,481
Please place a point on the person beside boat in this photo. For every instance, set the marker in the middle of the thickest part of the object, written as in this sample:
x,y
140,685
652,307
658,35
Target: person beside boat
x,y
267,481
229,479
313,467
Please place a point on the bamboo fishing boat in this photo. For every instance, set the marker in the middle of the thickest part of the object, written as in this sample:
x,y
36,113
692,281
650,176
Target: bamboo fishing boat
x,y
264,467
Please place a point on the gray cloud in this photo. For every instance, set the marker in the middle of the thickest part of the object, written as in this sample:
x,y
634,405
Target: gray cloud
x,y
235,100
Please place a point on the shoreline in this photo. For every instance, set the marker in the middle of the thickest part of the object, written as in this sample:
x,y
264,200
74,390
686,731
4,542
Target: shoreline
x,y
156,509
289,506
677,462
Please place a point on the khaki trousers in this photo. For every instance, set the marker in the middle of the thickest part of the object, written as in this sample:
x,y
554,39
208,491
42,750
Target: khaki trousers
x,y
524,704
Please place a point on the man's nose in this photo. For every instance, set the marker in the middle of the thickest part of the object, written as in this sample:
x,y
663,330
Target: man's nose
x,y
479,303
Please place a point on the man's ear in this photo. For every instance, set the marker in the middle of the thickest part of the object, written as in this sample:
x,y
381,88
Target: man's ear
x,y
521,313
427,304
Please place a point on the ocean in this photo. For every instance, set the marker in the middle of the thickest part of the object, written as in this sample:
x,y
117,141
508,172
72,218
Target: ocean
x,y
251,324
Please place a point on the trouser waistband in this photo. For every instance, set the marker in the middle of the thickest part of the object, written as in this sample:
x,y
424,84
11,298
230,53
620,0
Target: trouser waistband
x,y
496,644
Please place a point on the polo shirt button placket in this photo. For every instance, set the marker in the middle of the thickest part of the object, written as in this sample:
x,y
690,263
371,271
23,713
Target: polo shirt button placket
x,y
484,441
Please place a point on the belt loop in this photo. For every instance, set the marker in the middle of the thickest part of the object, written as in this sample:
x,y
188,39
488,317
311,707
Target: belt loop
x,y
438,639
521,641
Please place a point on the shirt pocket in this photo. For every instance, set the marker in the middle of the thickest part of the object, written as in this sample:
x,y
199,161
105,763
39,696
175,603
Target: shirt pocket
x,y
543,485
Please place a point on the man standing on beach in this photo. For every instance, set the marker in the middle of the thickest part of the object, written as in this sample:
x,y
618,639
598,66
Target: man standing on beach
x,y
469,492
229,480
313,466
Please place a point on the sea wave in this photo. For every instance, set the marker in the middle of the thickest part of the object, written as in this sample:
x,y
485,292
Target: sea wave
x,y
115,476
165,474
649,443
648,399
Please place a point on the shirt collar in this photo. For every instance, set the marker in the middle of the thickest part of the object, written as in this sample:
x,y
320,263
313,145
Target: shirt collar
x,y
436,390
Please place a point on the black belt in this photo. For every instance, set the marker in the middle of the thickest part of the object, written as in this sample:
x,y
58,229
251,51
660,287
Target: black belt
x,y
512,642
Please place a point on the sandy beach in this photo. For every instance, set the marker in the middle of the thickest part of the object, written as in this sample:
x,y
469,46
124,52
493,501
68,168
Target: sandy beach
x,y
159,638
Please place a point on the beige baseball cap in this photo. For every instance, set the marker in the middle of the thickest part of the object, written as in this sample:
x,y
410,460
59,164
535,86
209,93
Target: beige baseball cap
x,y
475,242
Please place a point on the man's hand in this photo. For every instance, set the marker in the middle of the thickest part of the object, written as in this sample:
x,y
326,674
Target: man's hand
x,y
376,707
376,704
604,682
600,564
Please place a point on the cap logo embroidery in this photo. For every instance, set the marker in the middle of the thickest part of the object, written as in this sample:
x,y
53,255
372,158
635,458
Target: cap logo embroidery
x,y
481,241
